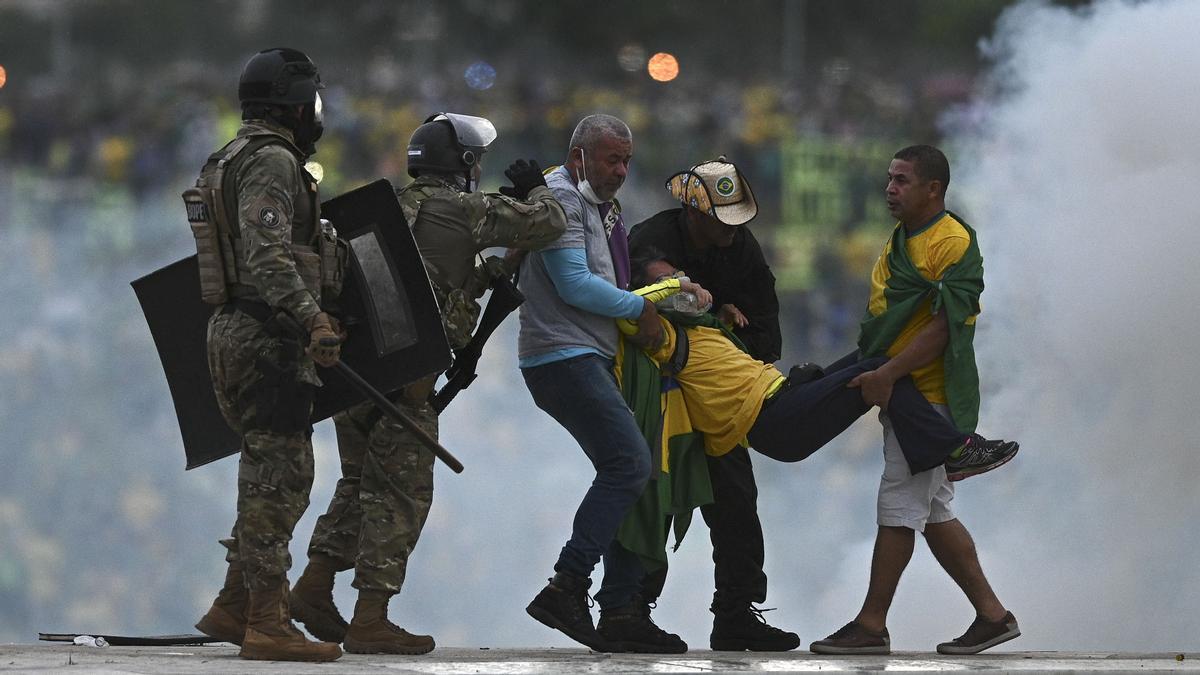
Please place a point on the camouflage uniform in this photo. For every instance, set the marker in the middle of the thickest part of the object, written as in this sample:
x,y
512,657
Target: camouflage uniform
x,y
386,489
265,384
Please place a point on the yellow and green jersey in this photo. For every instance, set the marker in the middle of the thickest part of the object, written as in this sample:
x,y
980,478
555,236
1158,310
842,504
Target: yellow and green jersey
x,y
932,250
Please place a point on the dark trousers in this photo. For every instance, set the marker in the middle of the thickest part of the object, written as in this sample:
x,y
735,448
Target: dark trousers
x,y
736,534
802,418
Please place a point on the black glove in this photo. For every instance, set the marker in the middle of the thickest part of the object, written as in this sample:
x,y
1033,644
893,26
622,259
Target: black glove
x,y
524,176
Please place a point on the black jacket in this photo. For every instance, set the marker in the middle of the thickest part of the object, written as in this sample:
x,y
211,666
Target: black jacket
x,y
736,275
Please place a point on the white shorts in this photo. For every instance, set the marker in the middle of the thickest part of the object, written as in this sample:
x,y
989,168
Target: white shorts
x,y
906,500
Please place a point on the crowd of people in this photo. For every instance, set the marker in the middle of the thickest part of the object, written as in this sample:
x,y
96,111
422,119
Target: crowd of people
x,y
98,165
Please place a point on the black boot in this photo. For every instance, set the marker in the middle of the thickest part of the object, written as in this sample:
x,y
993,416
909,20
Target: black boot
x,y
743,628
563,605
629,629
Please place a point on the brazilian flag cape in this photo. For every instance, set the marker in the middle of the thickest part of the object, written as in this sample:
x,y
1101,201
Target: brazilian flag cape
x,y
958,293
679,479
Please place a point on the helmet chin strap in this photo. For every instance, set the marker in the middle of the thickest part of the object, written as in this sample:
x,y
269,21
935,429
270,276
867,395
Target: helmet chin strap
x,y
472,159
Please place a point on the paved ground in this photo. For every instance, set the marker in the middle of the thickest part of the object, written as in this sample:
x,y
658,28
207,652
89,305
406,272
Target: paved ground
x,y
56,658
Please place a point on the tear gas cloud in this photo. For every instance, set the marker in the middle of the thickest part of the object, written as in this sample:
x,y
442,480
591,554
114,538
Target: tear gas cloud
x,y
1073,164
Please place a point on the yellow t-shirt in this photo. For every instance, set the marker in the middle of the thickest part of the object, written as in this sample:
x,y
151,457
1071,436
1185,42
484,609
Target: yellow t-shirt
x,y
932,249
723,387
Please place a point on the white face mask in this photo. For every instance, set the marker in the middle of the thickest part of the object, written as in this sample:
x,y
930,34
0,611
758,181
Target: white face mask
x,y
584,187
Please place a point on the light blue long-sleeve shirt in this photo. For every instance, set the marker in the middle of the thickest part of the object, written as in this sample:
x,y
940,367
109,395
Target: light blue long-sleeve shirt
x,y
578,287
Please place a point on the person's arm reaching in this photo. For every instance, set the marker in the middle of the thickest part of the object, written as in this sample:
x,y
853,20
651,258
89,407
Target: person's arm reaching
x,y
651,294
927,345
578,287
661,290
760,309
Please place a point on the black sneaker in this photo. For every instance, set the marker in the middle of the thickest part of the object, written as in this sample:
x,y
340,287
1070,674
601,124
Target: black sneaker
x,y
982,635
630,629
853,639
980,455
745,629
563,605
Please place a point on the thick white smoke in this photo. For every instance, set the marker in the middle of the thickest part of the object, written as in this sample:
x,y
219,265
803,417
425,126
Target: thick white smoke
x,y
1076,174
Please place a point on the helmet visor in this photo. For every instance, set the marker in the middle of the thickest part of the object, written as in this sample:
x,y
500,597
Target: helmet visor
x,y
472,132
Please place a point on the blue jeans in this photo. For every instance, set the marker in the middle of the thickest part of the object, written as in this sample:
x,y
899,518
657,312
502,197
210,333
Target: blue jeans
x,y
581,394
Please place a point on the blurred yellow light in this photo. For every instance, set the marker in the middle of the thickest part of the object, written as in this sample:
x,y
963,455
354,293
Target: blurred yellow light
x,y
3,76
663,67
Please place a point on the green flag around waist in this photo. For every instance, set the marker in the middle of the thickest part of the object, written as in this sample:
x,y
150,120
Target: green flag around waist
x,y
673,493
957,292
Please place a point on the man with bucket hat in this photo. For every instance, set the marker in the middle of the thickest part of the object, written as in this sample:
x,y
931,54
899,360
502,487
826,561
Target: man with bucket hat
x,y
708,238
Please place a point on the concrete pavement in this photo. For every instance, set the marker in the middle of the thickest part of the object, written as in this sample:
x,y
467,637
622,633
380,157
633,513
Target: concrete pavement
x,y
222,658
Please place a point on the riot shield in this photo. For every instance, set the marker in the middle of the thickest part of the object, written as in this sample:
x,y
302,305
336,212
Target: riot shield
x,y
387,304
396,334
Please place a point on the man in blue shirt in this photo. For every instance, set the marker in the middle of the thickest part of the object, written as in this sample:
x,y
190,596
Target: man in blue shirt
x,y
574,288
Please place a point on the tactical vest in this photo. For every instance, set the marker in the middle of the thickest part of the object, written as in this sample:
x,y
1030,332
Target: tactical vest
x,y
455,287
212,211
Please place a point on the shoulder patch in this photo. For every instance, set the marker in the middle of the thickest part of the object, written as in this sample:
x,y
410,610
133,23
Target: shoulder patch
x,y
268,217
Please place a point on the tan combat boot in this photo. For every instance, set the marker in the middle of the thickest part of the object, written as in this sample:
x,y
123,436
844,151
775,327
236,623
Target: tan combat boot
x,y
226,619
371,633
270,635
311,600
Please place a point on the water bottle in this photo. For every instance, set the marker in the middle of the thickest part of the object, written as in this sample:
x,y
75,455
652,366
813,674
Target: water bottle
x,y
683,303
687,303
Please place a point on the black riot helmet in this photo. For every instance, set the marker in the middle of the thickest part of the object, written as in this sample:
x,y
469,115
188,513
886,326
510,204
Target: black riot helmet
x,y
274,82
279,76
450,143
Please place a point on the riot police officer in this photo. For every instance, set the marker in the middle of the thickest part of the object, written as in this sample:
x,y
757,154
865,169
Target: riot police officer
x,y
269,264
382,500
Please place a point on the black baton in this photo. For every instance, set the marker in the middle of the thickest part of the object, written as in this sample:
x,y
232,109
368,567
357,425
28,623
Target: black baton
x,y
285,321
395,413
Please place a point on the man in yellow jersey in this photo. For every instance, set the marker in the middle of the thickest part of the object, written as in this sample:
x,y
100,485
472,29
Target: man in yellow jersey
x,y
924,299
